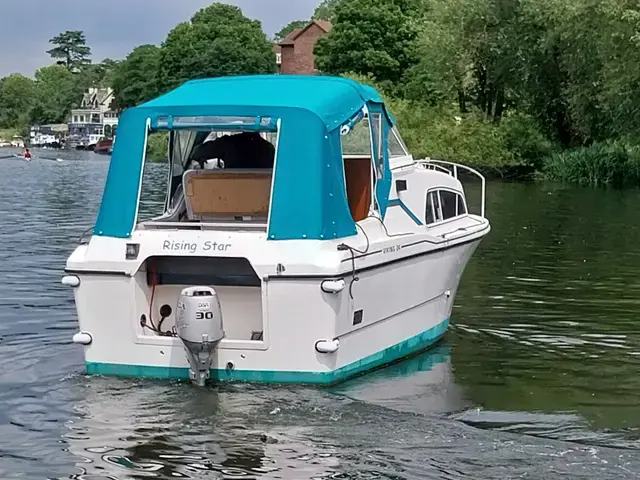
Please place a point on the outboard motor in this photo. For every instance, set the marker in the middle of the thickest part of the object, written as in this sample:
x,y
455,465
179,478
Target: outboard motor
x,y
199,326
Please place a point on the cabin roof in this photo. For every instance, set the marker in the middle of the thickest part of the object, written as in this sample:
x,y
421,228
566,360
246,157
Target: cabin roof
x,y
308,176
332,99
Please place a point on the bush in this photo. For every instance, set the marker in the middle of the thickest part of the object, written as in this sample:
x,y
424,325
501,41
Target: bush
x,y
513,147
607,163
523,136
8,134
157,147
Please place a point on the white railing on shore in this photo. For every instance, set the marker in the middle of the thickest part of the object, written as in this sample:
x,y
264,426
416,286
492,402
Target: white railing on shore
x,y
433,164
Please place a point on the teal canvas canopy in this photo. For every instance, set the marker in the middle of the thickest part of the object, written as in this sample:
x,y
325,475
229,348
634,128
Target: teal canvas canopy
x,y
309,199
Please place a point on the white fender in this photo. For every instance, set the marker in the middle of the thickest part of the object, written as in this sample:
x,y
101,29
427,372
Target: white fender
x,y
332,286
83,338
327,346
70,281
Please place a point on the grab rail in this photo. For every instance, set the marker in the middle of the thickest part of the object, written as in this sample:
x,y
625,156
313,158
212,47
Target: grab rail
x,y
437,165
81,239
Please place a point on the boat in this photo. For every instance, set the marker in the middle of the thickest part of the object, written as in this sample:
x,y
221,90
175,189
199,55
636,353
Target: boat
x,y
103,147
338,254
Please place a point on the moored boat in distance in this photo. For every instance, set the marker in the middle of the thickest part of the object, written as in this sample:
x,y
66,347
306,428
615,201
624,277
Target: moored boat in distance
x,y
300,241
104,146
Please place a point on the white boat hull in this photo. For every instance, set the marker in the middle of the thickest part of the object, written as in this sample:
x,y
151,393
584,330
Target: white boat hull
x,y
406,306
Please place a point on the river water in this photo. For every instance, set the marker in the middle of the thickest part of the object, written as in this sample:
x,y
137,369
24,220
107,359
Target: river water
x,y
537,377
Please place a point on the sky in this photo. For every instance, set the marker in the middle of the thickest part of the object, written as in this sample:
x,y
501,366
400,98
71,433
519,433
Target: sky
x,y
113,28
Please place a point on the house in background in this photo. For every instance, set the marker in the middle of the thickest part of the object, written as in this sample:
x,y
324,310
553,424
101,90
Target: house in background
x,y
94,120
52,135
294,54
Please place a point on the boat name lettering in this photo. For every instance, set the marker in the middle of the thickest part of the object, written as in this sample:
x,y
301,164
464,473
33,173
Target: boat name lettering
x,y
391,249
193,247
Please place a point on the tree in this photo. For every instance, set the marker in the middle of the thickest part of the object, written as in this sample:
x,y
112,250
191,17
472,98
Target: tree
x,y
219,40
71,47
16,100
135,79
325,10
55,93
100,74
369,36
287,29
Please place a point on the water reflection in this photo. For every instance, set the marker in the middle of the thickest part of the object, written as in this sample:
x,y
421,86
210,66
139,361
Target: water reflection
x,y
161,429
545,319
422,384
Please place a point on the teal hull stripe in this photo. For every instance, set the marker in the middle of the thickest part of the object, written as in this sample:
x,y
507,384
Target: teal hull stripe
x,y
394,353
398,202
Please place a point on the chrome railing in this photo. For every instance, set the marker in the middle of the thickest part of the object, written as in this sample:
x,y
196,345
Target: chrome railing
x,y
441,165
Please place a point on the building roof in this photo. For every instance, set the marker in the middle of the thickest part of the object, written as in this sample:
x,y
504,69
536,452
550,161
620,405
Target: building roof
x,y
96,97
291,38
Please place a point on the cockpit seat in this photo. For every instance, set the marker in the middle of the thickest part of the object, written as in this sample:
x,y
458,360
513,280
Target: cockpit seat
x,y
221,194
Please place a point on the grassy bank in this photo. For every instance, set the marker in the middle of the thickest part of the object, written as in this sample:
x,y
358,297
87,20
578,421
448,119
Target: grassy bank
x,y
608,163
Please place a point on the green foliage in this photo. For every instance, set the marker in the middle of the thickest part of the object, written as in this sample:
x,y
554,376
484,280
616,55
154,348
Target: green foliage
x,y
442,132
71,47
8,133
16,100
608,163
325,10
135,79
54,94
287,29
369,36
98,74
157,147
219,40
513,83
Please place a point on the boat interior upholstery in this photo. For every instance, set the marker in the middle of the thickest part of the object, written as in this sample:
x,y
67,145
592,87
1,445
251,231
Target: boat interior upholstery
x,y
222,193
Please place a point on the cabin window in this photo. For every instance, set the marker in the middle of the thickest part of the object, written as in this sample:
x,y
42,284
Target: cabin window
x,y
395,144
358,140
448,203
443,205
358,169
462,208
433,213
221,171
430,213
376,131
436,206
152,194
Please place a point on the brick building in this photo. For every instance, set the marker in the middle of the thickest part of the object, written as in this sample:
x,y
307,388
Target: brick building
x,y
295,51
